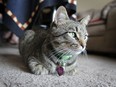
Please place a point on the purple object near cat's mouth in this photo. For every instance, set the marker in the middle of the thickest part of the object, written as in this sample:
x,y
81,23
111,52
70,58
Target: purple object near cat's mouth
x,y
60,70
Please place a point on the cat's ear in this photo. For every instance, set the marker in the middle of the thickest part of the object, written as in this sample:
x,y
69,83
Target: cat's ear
x,y
85,20
61,14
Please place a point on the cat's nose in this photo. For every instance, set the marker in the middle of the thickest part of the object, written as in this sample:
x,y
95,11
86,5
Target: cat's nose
x,y
82,45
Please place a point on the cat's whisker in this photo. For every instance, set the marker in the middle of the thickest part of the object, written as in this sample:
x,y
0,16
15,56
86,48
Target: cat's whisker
x,y
85,54
74,55
62,55
56,53
58,48
53,51
61,50
65,53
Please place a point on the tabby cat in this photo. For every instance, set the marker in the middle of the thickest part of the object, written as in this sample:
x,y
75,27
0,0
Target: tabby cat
x,y
55,50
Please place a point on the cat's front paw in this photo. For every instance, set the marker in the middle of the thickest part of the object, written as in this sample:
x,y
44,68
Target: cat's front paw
x,y
72,72
40,70
36,67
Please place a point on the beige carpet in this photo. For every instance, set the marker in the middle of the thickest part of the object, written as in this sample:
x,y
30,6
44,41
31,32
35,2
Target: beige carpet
x,y
94,71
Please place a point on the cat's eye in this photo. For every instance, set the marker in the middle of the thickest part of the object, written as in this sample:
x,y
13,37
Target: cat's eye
x,y
72,34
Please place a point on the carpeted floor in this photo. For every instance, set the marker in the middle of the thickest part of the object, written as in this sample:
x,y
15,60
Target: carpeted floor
x,y
94,71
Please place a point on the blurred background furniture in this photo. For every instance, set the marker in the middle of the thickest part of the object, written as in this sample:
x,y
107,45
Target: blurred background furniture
x,y
102,29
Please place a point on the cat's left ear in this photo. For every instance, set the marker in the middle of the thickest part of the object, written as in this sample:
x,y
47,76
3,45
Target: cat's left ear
x,y
61,15
85,20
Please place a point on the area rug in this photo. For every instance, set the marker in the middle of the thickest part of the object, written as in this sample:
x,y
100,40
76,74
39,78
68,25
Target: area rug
x,y
94,71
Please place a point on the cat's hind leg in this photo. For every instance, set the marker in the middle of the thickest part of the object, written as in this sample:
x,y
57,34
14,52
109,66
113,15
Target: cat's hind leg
x,y
36,67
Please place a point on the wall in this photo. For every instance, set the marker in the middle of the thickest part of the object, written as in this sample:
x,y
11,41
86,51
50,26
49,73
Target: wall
x,y
83,5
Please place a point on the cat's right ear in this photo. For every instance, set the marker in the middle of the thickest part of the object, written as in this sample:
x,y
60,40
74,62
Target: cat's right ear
x,y
85,20
61,14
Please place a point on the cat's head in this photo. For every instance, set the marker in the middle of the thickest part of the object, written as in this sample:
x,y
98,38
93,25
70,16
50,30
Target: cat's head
x,y
68,37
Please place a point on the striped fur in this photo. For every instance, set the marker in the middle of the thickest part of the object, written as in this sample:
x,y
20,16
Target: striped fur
x,y
43,50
